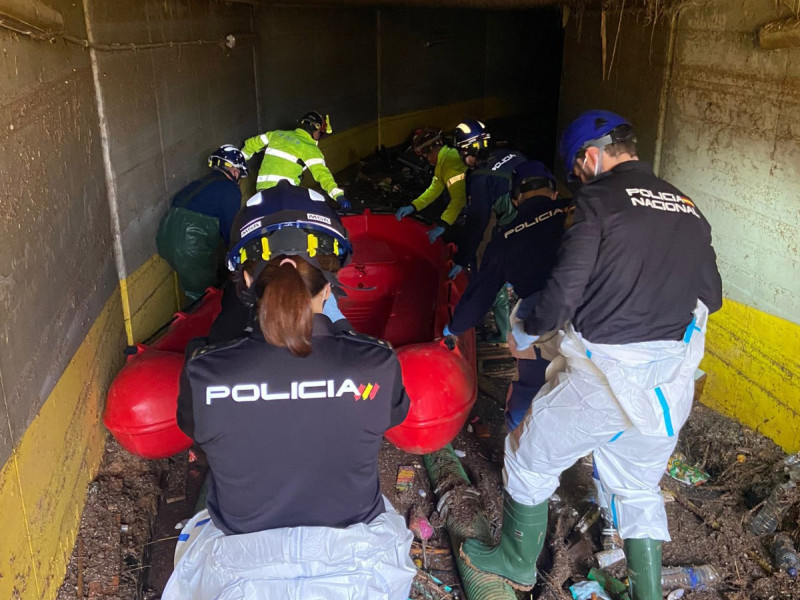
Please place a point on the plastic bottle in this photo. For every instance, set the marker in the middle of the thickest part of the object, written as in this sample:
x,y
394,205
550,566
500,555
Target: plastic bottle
x,y
786,558
766,521
689,578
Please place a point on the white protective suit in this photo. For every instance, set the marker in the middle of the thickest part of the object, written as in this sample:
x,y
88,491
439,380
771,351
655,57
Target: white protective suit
x,y
626,404
363,561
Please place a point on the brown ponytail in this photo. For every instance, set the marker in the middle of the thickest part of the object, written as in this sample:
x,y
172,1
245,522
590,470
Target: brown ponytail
x,y
284,293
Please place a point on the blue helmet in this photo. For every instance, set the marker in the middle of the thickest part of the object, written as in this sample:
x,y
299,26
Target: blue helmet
x,y
531,175
228,156
287,219
592,128
471,137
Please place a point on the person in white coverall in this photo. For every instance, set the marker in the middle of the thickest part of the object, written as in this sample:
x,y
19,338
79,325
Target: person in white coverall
x,y
627,303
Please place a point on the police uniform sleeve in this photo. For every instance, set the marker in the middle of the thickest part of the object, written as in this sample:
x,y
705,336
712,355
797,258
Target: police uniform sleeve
x,y
401,401
710,280
563,293
185,413
481,291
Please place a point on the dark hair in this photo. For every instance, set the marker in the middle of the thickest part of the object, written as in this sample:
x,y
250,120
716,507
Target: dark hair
x,y
623,141
284,293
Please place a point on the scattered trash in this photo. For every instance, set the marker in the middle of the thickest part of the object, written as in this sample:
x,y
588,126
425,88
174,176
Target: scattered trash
x,y
124,528
587,520
766,521
481,430
405,478
611,539
668,496
192,456
609,558
460,453
181,524
422,492
785,555
676,594
419,525
679,469
740,458
588,590
691,578
611,585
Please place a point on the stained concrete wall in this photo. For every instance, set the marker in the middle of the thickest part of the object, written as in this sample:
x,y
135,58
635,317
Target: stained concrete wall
x,y
401,68
63,296
629,82
732,142
722,116
167,109
56,260
733,137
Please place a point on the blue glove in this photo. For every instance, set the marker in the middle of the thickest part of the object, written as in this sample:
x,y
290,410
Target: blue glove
x,y
446,331
522,339
404,211
435,233
331,309
344,203
454,270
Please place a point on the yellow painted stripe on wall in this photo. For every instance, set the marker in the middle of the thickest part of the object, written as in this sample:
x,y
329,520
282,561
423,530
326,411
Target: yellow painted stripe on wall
x,y
151,292
346,148
753,366
43,484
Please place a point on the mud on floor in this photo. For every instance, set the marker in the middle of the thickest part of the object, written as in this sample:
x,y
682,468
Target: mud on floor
x,y
126,538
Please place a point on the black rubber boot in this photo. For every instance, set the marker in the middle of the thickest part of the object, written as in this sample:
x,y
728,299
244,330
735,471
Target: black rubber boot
x,y
644,568
514,559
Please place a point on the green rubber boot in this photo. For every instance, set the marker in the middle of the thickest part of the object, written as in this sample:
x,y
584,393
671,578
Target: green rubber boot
x,y
514,559
502,318
644,568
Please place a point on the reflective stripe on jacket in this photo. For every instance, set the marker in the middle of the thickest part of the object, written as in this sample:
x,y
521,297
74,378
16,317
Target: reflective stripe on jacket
x,y
286,155
450,174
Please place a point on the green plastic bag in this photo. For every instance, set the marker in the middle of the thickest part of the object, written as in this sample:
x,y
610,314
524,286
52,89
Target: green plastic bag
x,y
191,244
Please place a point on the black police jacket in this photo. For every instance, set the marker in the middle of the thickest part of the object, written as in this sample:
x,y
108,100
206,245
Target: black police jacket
x,y
292,441
633,264
521,253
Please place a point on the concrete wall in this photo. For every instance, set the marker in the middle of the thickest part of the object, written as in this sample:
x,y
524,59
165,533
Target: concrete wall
x,y
732,142
167,109
399,69
63,296
728,137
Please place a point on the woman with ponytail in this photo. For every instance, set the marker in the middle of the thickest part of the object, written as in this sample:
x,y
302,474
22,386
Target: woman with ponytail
x,y
291,418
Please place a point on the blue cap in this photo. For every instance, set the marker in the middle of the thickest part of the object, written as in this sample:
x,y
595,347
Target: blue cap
x,y
528,172
592,128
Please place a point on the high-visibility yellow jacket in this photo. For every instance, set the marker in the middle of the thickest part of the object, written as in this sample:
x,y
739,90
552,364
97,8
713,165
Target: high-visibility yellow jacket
x,y
286,155
450,174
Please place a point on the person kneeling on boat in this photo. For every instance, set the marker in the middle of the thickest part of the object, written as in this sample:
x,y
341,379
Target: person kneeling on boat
x,y
291,419
523,253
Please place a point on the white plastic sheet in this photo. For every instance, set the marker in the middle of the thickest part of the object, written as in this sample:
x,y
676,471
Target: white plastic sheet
x,y
624,403
363,561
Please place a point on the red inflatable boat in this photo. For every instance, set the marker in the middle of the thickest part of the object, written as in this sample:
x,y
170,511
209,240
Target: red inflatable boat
x,y
400,293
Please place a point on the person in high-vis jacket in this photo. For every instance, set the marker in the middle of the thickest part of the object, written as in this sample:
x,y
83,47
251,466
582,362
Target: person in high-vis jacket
x,y
194,233
488,195
287,154
449,174
291,418
523,253
629,297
